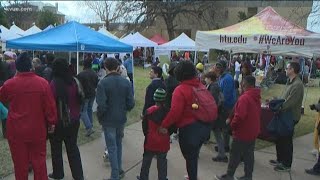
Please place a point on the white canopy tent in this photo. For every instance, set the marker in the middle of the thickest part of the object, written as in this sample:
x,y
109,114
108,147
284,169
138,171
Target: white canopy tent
x,y
182,42
137,40
105,32
15,29
7,34
34,29
266,31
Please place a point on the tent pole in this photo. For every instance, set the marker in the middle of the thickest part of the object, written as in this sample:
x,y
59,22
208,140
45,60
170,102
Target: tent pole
x,y
195,58
32,54
69,57
132,64
77,62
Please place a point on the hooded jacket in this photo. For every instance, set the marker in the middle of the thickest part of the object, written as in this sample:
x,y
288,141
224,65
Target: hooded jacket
x,y
154,141
245,123
180,113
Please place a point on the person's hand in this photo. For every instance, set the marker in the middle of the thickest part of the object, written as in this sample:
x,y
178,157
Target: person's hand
x,y
162,130
228,121
51,129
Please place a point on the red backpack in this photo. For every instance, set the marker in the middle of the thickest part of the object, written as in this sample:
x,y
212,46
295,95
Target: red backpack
x,y
204,107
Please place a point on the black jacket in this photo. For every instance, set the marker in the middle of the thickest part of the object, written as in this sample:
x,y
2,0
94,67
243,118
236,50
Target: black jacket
x,y
171,83
153,86
89,80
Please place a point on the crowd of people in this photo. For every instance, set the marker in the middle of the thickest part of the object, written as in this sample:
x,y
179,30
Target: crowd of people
x,y
61,98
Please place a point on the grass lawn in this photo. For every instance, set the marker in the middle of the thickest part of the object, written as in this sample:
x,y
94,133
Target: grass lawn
x,y
141,81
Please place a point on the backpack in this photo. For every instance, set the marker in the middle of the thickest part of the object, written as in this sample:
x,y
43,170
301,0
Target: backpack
x,y
64,113
204,107
82,96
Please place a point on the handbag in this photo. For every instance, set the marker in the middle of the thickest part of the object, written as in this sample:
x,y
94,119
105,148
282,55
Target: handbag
x,y
282,124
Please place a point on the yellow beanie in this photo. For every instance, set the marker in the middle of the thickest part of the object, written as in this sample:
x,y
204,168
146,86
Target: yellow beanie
x,y
199,66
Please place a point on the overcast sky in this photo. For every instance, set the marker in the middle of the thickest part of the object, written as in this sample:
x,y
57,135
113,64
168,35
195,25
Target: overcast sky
x,y
74,11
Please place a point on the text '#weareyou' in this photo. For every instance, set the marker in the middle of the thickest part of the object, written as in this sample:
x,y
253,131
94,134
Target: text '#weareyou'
x,y
233,40
278,40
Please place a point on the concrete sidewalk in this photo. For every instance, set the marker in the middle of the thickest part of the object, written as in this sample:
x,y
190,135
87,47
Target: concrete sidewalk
x,y
96,169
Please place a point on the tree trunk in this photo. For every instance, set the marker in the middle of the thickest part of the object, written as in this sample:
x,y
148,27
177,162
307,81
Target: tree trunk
x,y
170,28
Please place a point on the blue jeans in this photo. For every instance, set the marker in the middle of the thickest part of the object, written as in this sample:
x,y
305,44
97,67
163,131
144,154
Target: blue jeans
x,y
220,142
113,137
86,113
237,75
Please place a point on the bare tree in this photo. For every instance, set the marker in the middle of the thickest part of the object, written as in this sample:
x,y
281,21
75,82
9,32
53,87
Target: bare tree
x,y
170,12
110,11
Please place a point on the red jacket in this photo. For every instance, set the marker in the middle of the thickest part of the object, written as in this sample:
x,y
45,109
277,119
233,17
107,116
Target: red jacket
x,y
31,109
154,141
245,123
180,113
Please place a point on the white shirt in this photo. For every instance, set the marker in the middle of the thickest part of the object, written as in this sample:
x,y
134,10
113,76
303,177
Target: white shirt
x,y
237,66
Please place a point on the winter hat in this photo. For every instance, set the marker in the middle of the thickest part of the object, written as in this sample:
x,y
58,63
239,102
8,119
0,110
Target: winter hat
x,y
172,66
199,66
221,64
159,95
23,62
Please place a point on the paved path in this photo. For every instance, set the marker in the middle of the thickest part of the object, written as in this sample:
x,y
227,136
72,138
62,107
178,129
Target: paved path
x,y
96,169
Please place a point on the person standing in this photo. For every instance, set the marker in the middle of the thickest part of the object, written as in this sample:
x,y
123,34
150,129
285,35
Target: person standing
x,y
67,96
237,67
47,72
114,98
155,144
156,82
129,66
219,124
192,132
37,67
28,124
293,96
226,84
89,80
247,113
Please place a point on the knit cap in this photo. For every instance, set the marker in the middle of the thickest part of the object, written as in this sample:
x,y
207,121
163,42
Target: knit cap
x,y
159,95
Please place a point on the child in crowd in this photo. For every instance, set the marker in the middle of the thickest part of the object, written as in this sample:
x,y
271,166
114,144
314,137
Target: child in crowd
x,y
155,144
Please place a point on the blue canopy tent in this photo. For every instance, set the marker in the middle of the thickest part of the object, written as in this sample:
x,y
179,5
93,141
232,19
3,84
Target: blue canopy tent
x,y
70,37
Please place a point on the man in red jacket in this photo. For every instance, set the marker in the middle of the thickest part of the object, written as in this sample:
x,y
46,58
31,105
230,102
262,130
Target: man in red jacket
x,y
32,110
245,125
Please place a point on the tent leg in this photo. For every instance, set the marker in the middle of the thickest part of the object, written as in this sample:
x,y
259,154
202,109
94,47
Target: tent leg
x,y
77,62
195,57
33,54
132,64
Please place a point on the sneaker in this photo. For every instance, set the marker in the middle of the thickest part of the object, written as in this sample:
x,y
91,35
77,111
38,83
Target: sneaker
x,y
50,176
89,132
282,168
106,156
274,162
245,178
220,159
121,174
224,177
315,152
312,172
